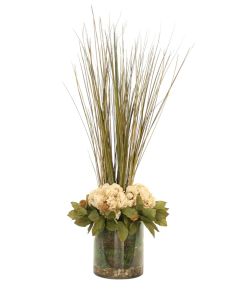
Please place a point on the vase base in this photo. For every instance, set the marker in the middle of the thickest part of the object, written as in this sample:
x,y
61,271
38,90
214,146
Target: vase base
x,y
112,273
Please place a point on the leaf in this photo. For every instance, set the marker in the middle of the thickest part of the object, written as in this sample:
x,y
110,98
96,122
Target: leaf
x,y
144,219
133,227
73,214
149,213
126,221
110,215
160,204
90,227
122,231
93,216
131,213
162,221
151,227
75,205
160,213
98,226
111,225
139,201
82,221
82,211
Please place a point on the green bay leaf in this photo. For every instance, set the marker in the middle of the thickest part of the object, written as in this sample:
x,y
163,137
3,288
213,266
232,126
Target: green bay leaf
x,y
73,215
98,226
149,213
75,205
82,211
110,215
131,213
151,227
94,215
160,204
82,221
162,221
133,228
122,231
111,225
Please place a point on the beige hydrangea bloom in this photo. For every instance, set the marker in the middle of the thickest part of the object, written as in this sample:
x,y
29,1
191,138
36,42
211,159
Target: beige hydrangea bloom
x,y
133,190
108,198
113,198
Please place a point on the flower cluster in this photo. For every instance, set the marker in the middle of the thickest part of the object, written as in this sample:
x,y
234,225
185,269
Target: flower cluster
x,y
111,208
138,189
112,197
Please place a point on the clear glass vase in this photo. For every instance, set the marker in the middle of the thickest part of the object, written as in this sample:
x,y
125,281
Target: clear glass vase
x,y
116,259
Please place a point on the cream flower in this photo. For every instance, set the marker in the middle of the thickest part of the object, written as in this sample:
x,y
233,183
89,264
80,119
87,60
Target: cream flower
x,y
111,197
108,198
147,198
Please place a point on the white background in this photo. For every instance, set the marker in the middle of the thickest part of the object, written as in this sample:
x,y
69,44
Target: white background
x,y
192,163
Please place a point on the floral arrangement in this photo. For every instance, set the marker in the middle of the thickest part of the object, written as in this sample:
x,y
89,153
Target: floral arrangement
x,y
121,96
110,207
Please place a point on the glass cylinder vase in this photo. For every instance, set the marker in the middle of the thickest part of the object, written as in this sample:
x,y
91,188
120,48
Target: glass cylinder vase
x,y
116,259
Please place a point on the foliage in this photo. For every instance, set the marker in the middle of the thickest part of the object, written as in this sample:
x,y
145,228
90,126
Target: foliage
x,y
122,93
127,224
